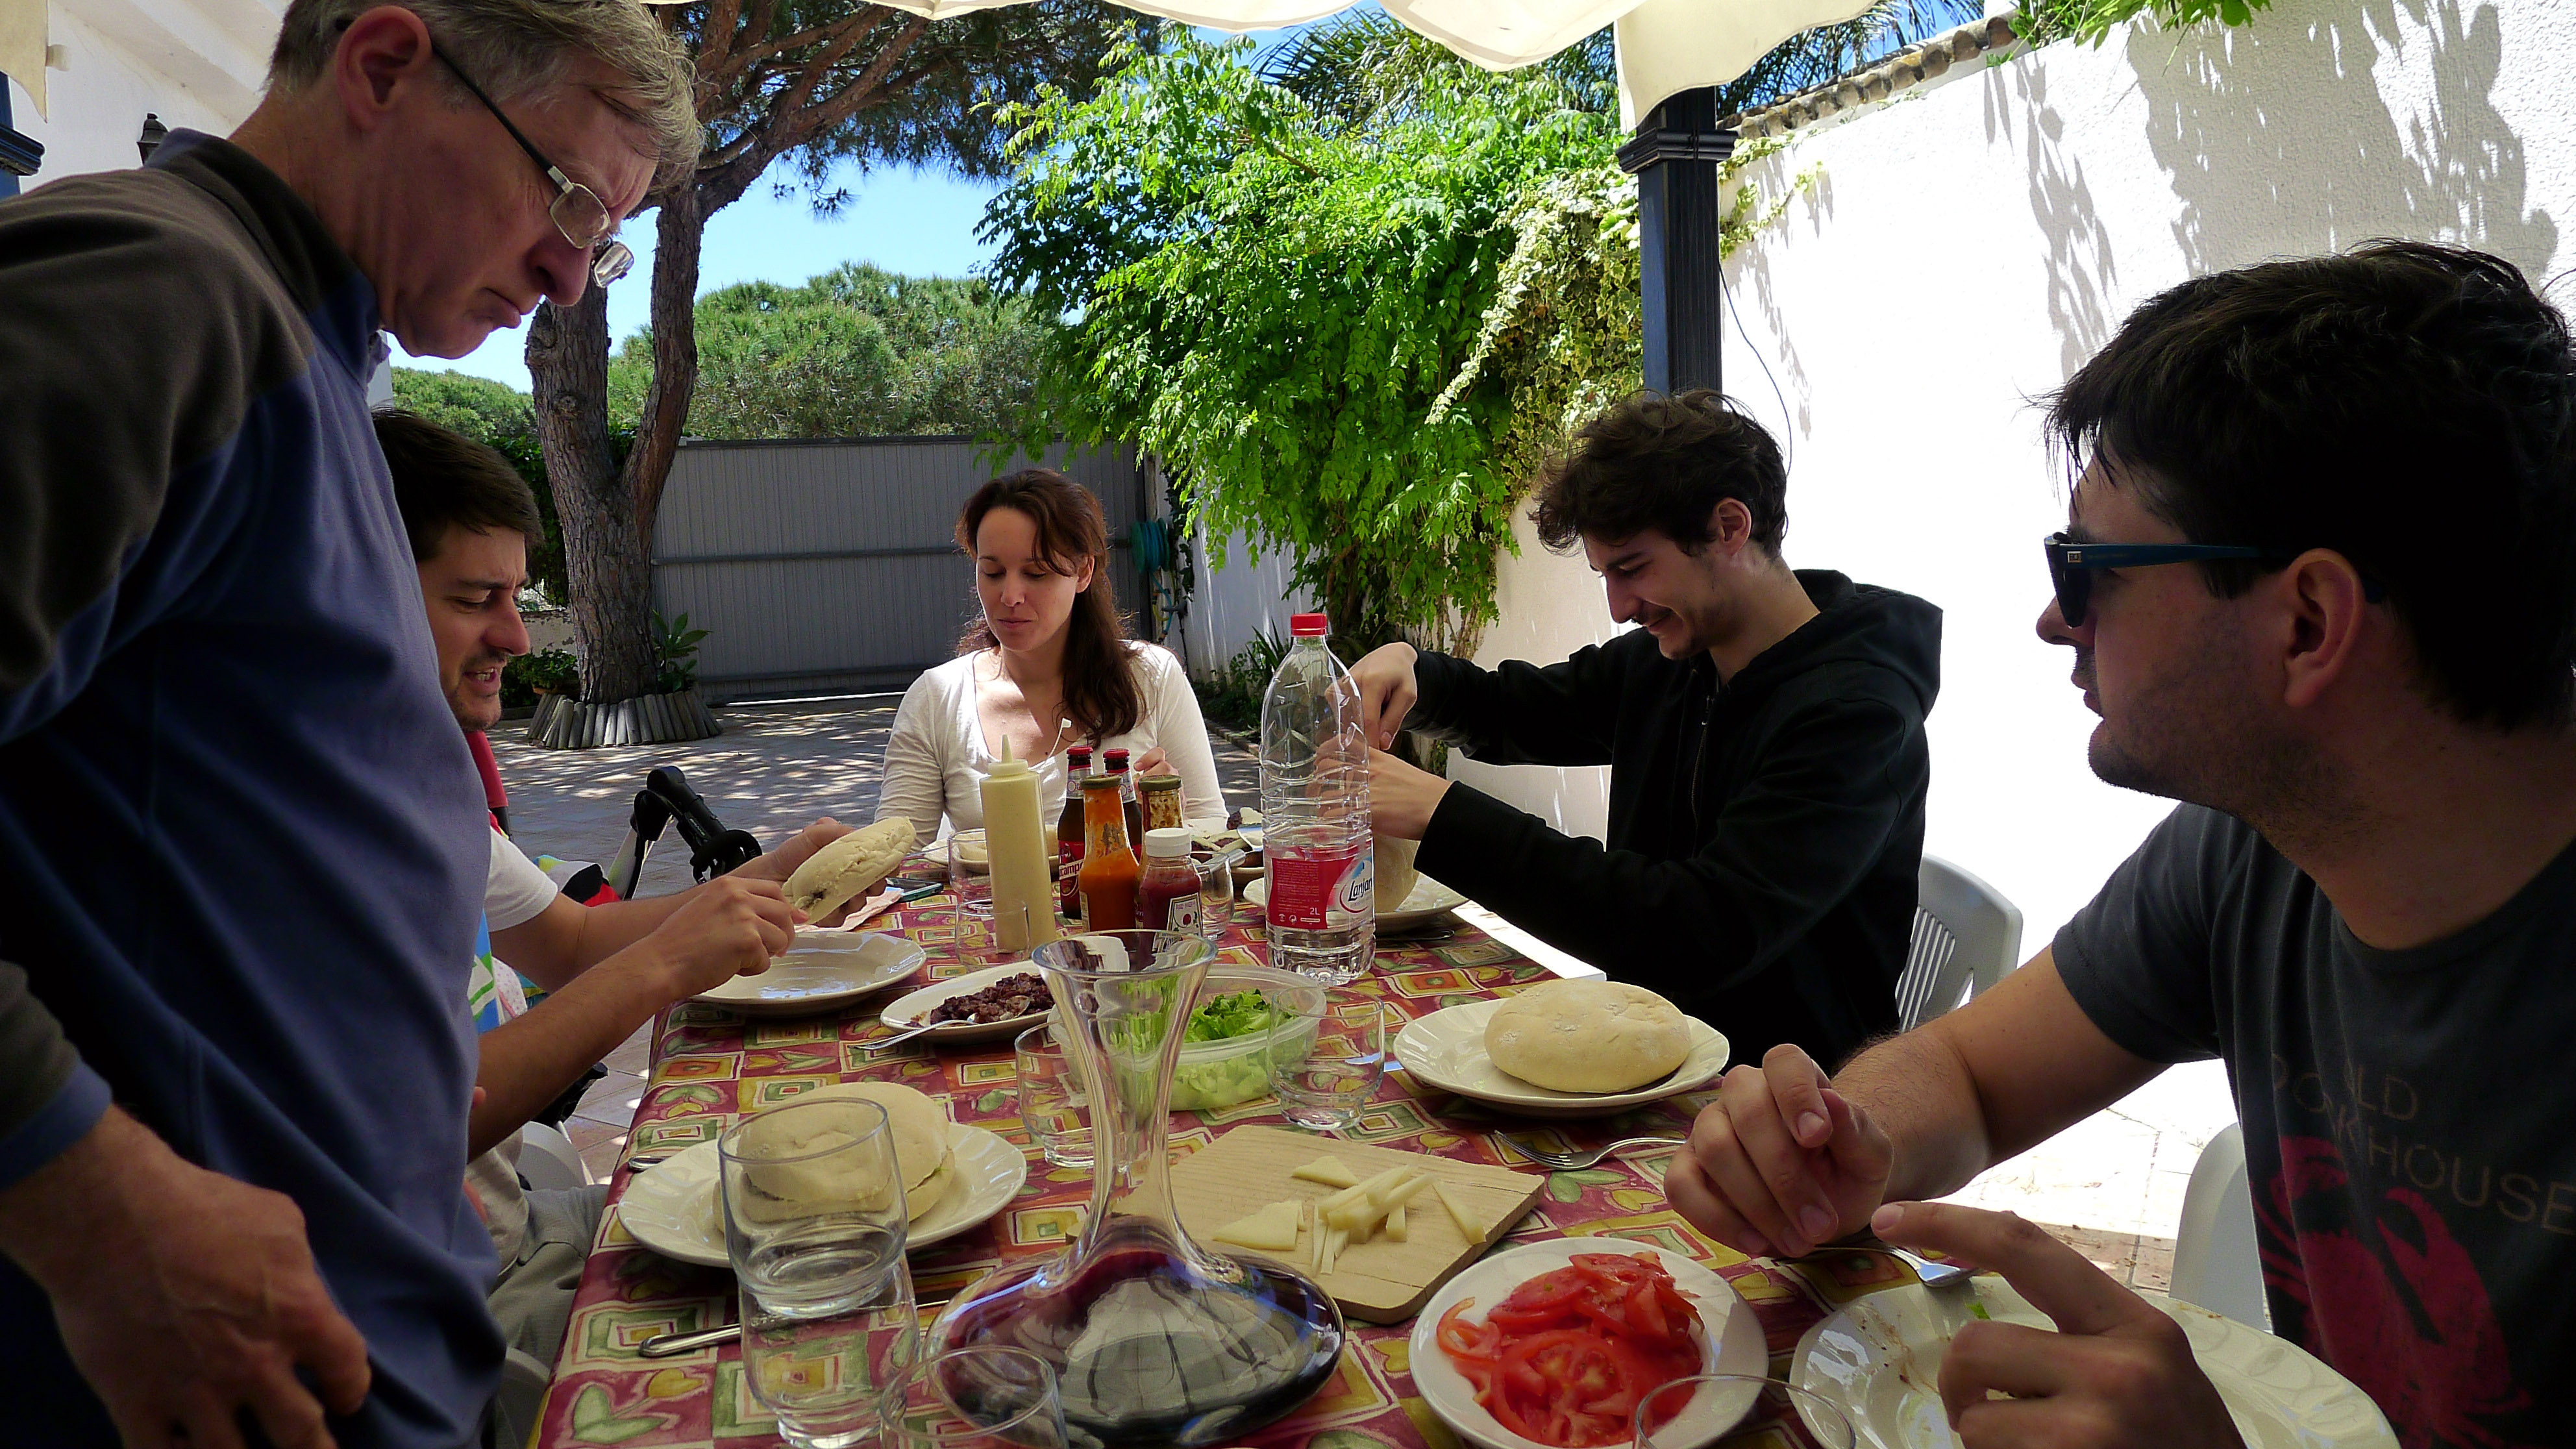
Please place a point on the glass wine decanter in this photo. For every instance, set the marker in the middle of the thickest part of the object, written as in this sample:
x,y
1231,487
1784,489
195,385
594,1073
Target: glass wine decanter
x,y
1155,1341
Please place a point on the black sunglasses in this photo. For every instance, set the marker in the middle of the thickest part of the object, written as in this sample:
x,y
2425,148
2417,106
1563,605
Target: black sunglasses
x,y
2071,564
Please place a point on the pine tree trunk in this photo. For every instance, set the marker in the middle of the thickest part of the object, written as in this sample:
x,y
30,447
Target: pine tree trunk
x,y
608,558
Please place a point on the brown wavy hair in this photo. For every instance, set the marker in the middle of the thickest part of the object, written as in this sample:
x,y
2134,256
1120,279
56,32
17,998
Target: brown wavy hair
x,y
1101,695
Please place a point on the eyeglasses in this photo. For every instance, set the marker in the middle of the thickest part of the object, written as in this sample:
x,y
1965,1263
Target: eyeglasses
x,y
2071,564
577,211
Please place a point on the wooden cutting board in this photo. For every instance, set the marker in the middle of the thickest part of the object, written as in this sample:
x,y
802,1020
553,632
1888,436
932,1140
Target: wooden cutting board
x,y
1377,1281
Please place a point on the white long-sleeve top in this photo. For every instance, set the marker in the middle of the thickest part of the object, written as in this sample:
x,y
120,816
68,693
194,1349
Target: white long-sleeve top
x,y
936,759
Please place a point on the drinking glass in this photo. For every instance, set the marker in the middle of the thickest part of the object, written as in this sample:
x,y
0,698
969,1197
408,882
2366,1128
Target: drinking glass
x,y
986,1397
815,1228
1327,1055
1690,1412
970,873
1052,1106
1216,895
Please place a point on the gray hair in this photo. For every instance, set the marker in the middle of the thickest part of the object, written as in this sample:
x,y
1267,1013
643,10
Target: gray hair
x,y
515,49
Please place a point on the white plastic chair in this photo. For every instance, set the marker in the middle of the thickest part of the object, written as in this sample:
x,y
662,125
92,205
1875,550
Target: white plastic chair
x,y
1966,936
548,1160
2217,1262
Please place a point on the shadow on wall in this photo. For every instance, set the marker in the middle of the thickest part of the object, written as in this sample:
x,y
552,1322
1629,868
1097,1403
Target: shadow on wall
x,y
2264,166
1789,394
2082,273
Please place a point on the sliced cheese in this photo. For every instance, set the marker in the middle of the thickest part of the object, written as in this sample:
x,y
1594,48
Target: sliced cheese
x,y
1337,1240
1395,1228
1468,1224
1328,1171
1359,1192
1271,1230
1369,1211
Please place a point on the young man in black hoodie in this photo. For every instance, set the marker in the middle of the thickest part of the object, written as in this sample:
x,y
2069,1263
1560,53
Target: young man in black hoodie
x,y
1763,729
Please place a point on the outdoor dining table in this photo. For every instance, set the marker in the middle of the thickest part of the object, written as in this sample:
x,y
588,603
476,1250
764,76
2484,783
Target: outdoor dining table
x,y
710,1066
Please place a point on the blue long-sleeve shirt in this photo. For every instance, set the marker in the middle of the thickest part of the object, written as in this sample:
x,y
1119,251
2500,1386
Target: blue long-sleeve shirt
x,y
241,842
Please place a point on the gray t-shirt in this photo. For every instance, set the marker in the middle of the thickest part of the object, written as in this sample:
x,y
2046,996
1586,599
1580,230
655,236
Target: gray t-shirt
x,y
2410,1119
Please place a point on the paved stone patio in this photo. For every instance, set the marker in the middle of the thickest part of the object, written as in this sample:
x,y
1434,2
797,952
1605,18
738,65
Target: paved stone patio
x,y
2112,1186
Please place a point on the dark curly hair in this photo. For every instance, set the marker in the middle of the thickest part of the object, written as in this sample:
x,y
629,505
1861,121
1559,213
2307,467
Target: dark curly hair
x,y
2409,406
1652,461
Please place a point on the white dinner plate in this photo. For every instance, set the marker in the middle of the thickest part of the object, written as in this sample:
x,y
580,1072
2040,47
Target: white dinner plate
x,y
1447,1050
672,1208
825,969
1879,1360
1428,902
905,1012
1732,1343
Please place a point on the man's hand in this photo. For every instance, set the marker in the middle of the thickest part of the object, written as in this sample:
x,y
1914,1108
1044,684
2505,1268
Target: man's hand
x,y
185,1297
1780,1163
2116,1373
1402,795
797,849
726,928
1384,678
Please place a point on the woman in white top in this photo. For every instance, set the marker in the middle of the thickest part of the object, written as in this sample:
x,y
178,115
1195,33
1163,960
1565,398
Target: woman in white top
x,y
1046,667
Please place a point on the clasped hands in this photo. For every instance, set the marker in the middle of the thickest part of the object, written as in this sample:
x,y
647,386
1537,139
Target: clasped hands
x,y
1782,1164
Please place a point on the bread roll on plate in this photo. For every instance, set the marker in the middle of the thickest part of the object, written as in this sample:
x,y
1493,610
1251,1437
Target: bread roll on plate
x,y
794,1189
1587,1036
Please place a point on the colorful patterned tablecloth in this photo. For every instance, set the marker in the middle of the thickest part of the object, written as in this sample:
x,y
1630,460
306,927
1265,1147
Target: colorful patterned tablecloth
x,y
710,1066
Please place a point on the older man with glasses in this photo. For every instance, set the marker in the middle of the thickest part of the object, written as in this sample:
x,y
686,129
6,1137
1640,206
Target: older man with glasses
x,y
234,1081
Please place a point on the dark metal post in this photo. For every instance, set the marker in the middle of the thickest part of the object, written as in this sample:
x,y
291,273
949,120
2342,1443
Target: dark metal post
x,y
20,154
1675,156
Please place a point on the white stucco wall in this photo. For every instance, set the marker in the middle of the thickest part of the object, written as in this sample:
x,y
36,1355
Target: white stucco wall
x,y
1250,595
195,63
1967,248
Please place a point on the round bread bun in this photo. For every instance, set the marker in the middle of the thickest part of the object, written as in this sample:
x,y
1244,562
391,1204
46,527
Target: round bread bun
x,y
806,1188
1395,872
1587,1036
920,1137
849,867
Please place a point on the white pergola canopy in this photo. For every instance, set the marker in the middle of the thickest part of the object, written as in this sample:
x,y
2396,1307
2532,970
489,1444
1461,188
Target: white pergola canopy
x,y
1664,45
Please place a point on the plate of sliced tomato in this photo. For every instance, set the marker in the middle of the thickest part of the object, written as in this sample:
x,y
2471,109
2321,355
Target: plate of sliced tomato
x,y
1550,1345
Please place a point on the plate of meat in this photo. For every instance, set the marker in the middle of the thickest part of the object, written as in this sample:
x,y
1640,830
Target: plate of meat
x,y
988,1005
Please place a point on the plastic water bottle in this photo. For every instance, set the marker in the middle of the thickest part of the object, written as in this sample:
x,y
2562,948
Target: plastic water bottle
x,y
1315,834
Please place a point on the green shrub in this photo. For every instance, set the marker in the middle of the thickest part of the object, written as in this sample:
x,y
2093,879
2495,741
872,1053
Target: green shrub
x,y
674,642
548,669
1233,696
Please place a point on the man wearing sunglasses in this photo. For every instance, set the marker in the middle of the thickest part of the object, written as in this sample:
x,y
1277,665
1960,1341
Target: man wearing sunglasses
x,y
2320,582
242,848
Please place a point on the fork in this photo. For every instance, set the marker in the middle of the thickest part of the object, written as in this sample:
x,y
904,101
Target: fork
x,y
1570,1161
1931,1274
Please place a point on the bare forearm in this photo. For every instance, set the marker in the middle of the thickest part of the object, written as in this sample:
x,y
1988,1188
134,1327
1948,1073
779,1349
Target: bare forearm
x,y
1921,1094
609,929
529,1061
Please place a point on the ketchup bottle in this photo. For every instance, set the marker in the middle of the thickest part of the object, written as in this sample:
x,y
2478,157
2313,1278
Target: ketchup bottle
x,y
1168,900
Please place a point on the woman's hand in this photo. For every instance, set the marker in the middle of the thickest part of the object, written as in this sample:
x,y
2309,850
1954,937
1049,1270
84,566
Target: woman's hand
x,y
1152,762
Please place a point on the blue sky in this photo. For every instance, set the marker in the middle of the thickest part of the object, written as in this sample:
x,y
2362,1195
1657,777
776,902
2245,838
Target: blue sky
x,y
919,222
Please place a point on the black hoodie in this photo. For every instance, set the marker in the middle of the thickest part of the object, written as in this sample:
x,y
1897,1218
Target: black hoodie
x,y
1765,832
